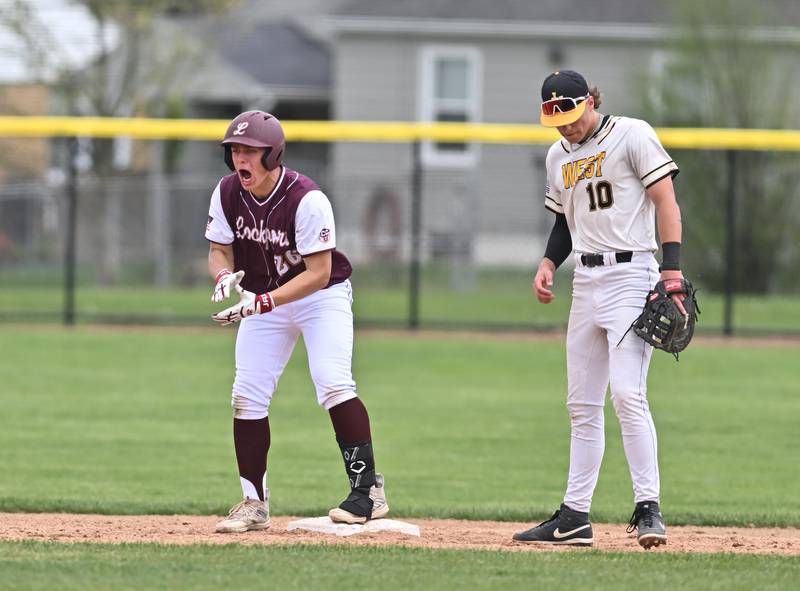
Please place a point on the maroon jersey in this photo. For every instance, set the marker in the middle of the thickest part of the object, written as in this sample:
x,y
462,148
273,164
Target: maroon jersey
x,y
271,236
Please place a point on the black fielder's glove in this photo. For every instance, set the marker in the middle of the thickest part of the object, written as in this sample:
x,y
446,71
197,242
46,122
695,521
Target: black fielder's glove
x,y
661,323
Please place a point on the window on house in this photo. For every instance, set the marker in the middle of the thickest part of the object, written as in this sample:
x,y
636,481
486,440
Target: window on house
x,y
450,93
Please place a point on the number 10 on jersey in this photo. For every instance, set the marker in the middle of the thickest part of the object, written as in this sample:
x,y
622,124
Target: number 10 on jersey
x,y
600,195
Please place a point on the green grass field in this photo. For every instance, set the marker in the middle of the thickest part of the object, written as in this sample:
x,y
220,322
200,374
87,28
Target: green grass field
x,y
498,299
138,421
36,566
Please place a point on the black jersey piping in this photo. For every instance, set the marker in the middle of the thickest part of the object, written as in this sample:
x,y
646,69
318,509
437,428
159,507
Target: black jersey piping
x,y
610,129
671,173
603,123
644,176
546,197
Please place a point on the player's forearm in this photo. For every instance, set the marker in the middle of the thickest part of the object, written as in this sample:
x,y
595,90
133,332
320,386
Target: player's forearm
x,y
668,214
219,259
304,284
559,244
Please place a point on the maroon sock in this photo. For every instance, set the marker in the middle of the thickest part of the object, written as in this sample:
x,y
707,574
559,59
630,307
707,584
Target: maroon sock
x,y
251,439
351,421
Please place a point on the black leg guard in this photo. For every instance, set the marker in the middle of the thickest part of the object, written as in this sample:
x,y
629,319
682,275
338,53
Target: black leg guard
x,y
359,464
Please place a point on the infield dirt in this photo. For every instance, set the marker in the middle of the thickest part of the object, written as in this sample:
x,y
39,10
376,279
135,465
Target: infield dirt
x,y
435,533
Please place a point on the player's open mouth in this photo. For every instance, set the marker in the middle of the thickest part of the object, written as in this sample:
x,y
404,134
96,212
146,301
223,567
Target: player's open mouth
x,y
245,175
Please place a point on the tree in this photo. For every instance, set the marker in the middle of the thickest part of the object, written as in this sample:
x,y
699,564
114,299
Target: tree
x,y
132,72
728,68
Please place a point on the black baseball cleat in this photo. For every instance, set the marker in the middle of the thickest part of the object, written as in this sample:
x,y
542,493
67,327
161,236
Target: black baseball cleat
x,y
647,520
566,527
360,507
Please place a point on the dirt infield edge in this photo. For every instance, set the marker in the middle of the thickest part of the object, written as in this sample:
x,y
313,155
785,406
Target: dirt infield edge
x,y
434,533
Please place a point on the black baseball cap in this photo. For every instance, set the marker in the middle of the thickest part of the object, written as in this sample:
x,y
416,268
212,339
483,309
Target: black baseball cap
x,y
568,85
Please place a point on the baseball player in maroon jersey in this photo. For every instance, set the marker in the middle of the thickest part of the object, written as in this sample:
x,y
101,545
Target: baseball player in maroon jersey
x,y
273,246
608,180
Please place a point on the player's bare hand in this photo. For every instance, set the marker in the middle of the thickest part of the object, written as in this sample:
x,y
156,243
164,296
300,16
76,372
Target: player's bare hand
x,y
543,282
226,284
676,297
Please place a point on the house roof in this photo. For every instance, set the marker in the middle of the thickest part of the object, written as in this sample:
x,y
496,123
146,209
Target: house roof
x,y
646,12
623,11
260,51
278,53
253,61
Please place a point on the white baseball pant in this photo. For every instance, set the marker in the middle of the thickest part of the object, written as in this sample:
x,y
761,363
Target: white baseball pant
x,y
265,343
605,301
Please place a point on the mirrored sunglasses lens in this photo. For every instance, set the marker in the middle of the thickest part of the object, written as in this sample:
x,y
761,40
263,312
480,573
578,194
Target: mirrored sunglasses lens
x,y
562,105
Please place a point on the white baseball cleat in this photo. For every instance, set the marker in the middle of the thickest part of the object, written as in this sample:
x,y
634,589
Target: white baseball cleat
x,y
380,508
250,514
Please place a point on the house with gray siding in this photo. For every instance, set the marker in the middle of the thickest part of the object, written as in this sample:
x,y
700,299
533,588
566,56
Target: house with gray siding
x,y
481,61
469,61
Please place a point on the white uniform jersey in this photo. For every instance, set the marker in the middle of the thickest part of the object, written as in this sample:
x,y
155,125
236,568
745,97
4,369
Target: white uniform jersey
x,y
599,186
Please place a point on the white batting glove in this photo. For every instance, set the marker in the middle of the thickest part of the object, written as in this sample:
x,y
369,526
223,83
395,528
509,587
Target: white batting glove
x,y
226,283
248,305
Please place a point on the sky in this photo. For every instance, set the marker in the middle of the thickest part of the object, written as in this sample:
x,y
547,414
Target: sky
x,y
66,23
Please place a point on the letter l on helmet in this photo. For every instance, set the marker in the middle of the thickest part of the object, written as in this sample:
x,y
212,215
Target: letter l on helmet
x,y
256,129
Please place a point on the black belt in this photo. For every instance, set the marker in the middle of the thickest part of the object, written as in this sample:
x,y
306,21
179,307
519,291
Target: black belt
x,y
596,260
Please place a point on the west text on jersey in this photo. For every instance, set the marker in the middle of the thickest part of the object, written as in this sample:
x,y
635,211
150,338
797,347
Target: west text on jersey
x,y
262,234
584,168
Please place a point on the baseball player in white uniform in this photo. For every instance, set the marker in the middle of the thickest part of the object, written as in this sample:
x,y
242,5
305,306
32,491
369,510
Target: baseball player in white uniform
x,y
273,247
608,180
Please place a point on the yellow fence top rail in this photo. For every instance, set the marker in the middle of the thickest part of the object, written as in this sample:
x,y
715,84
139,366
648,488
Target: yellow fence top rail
x,y
380,131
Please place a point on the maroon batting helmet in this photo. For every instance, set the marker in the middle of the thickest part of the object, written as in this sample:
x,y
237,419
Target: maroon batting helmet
x,y
259,130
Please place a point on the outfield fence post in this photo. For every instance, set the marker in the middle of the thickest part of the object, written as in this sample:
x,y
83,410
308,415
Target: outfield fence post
x,y
730,244
71,146
416,232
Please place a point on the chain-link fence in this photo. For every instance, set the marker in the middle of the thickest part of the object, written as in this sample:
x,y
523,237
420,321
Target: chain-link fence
x,y
431,247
